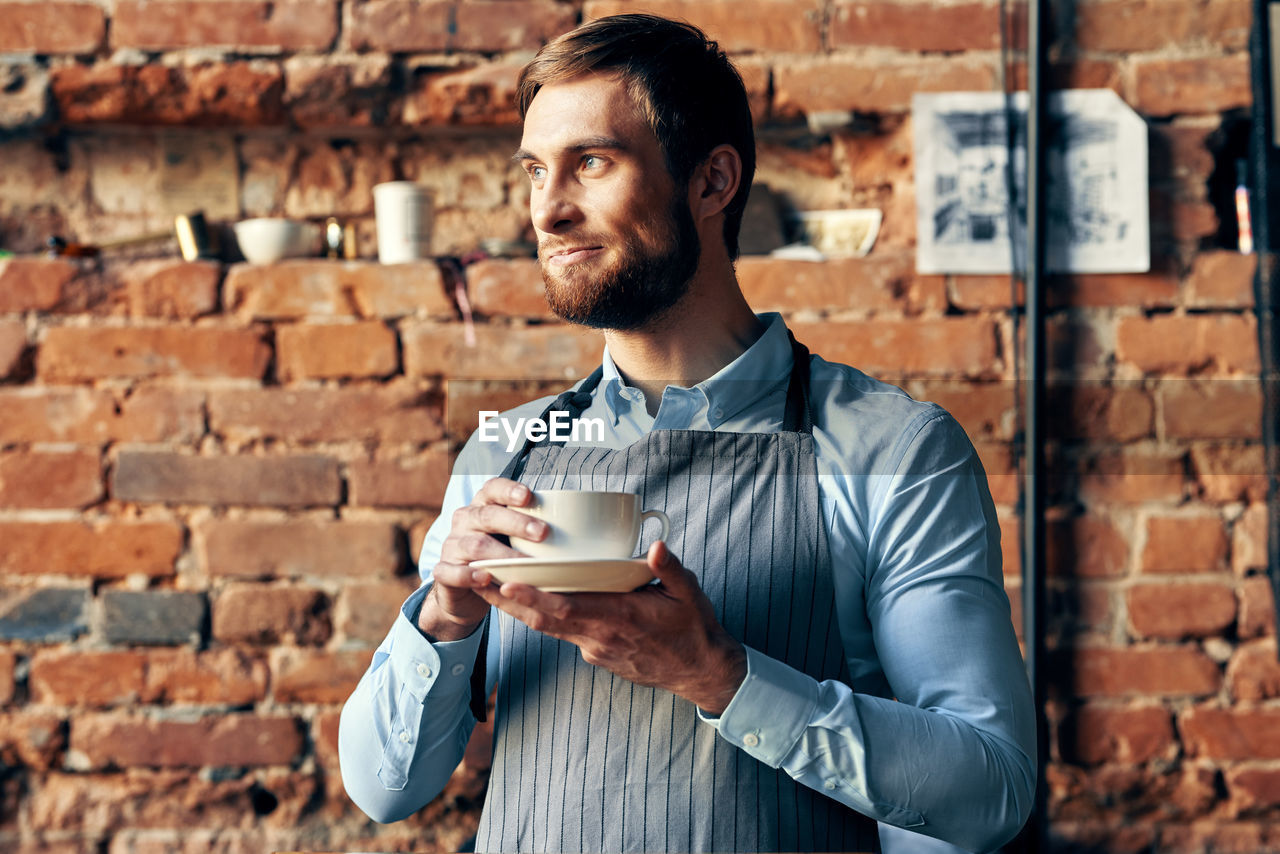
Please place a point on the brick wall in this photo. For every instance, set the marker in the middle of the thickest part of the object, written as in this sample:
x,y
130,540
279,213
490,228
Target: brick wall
x,y
213,478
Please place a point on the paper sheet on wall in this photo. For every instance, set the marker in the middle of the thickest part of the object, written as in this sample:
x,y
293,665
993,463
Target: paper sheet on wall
x,y
1097,218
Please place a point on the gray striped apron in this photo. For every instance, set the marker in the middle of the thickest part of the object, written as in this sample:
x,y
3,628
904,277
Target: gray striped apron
x,y
587,761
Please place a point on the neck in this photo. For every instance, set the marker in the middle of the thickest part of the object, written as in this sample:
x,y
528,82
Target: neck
x,y
709,328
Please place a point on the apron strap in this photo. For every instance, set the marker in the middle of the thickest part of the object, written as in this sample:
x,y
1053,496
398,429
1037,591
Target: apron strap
x,y
574,401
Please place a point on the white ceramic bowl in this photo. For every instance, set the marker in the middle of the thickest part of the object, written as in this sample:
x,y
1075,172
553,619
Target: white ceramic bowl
x,y
269,239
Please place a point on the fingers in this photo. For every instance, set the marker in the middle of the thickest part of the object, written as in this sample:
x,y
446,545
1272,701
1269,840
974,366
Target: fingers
x,y
500,490
543,612
491,513
668,570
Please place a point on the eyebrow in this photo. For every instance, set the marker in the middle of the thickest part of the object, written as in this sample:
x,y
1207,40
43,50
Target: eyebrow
x,y
524,155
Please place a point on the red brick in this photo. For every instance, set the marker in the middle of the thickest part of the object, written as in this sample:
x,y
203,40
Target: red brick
x,y
1211,409
283,25
884,283
1240,837
984,410
1101,412
51,27
1156,289
31,738
792,26
211,677
1165,87
1176,611
405,482
101,550
326,92
507,289
1253,789
501,352
1180,153
1165,671
1231,733
13,341
316,676
1087,612
71,354
100,804
1228,473
293,481
914,27
50,479
1185,220
335,350
1086,547
1131,26
483,96
1257,608
255,613
874,86
1249,540
299,547
492,27
1132,734
1221,280
1185,544
947,346
396,412
294,289
398,25
87,678
175,290
40,414
33,284
974,293
365,611
237,94
1188,343
1254,672
1132,477
103,740
8,663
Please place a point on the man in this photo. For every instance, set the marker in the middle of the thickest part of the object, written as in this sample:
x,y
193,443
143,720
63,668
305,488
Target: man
x,y
828,644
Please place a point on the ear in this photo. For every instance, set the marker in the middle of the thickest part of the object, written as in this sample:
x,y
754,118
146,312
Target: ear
x,y
715,182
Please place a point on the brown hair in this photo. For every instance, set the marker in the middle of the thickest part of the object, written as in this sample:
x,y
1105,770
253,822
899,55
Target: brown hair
x,y
691,95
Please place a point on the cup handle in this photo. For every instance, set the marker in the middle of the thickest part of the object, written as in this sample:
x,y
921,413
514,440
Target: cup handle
x,y
661,517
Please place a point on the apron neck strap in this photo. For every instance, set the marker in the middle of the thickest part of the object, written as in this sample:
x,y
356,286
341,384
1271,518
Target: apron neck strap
x,y
797,417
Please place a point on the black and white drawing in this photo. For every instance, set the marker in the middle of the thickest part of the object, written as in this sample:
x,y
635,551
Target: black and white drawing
x,y
970,149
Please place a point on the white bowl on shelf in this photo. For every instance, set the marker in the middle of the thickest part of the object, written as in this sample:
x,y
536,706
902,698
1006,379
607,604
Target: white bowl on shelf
x,y
265,240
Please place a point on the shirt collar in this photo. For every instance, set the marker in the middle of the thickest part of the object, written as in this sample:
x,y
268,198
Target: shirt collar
x,y
733,388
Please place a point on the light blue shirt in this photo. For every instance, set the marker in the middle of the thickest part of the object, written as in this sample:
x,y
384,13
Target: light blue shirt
x,y
915,549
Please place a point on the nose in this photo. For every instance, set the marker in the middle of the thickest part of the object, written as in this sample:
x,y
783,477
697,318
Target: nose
x,y
553,208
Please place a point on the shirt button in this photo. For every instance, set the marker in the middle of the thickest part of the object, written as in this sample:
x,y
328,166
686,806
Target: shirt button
x,y
458,669
404,737
829,785
424,671
717,413
751,739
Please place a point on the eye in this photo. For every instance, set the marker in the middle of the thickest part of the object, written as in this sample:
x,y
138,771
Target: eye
x,y
592,162
537,173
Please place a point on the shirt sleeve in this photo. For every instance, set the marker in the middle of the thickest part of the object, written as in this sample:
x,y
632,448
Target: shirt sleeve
x,y
404,729
953,757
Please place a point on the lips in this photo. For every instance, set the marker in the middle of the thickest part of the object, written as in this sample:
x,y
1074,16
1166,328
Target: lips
x,y
571,255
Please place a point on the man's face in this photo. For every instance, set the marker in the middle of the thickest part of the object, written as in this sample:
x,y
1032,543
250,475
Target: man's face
x,y
616,240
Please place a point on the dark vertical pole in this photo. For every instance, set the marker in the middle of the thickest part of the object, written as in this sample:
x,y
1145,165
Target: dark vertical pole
x,y
1264,162
1033,547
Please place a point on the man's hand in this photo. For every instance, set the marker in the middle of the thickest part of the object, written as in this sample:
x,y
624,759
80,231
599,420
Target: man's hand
x,y
665,635
453,609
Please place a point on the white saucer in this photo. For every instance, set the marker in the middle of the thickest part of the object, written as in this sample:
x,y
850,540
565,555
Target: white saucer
x,y
571,575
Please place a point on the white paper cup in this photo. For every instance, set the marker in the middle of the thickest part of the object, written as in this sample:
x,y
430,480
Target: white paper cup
x,y
586,525
402,210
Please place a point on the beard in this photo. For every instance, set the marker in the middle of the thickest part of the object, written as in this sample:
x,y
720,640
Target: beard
x,y
642,286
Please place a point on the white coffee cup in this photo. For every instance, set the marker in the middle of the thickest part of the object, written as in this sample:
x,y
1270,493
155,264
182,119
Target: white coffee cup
x,y
585,524
402,211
